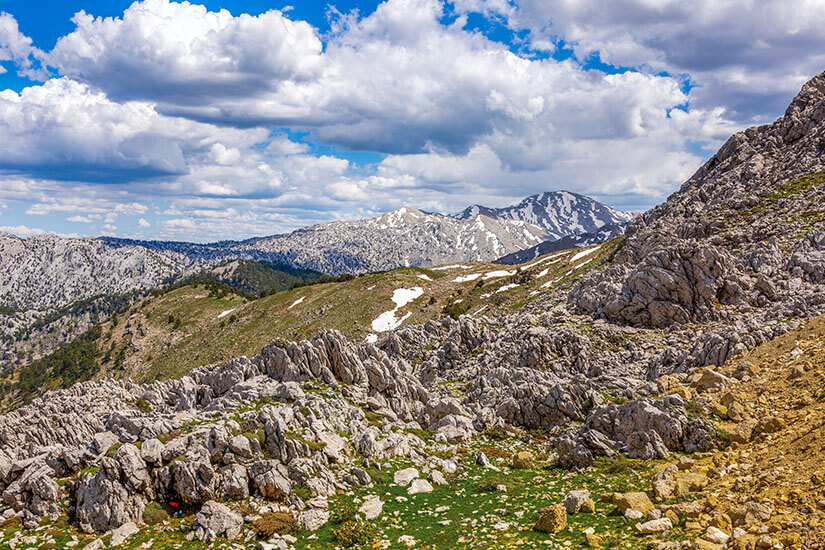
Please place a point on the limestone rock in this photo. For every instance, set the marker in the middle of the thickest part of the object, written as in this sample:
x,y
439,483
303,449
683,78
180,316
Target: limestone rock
x,y
551,519
215,519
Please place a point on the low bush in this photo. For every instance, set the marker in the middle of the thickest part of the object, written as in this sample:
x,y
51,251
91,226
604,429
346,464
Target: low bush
x,y
355,533
275,522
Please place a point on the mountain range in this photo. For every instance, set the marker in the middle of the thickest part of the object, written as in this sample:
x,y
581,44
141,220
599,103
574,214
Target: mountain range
x,y
48,271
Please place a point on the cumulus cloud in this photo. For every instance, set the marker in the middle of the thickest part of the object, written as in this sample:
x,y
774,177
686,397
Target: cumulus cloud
x,y
17,47
182,53
749,56
21,230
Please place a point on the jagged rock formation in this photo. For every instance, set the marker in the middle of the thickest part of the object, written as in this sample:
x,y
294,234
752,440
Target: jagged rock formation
x,y
738,232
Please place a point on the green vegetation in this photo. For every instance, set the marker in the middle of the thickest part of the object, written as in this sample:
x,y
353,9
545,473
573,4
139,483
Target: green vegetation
x,y
275,522
154,513
7,310
143,405
74,362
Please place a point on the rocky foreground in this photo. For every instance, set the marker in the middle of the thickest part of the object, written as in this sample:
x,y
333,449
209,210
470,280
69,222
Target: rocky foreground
x,y
622,410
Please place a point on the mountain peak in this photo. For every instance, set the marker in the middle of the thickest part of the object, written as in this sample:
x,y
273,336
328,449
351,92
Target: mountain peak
x,y
561,213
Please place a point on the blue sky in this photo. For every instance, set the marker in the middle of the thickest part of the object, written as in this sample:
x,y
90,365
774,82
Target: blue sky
x,y
159,119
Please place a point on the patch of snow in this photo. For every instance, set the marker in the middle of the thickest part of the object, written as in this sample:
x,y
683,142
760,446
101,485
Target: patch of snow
x,y
584,253
225,313
296,302
505,288
401,296
479,310
544,272
459,301
499,273
371,287
448,267
467,278
548,283
371,338
424,276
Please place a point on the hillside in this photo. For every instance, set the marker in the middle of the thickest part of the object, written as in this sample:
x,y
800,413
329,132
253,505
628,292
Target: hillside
x,y
173,332
659,391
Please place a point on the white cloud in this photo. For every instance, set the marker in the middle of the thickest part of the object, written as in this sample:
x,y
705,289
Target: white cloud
x,y
185,110
181,53
143,223
750,57
21,230
17,47
79,219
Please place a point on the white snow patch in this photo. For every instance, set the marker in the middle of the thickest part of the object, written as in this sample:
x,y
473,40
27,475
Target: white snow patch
x,y
467,278
584,253
296,302
497,274
401,296
454,266
459,301
505,288
479,310
424,276
548,283
544,272
371,338
225,313
370,287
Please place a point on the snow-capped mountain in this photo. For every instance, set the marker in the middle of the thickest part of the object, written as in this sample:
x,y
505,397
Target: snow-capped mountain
x,y
48,271
560,213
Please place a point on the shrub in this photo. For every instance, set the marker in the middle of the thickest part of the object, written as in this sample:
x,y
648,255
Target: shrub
x,y
275,522
154,513
490,482
143,405
343,513
302,491
354,533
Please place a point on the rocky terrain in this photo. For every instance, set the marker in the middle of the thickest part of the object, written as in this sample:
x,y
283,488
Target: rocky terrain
x,y
668,394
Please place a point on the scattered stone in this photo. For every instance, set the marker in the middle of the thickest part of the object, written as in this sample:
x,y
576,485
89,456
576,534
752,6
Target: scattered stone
x,y
552,519
405,476
420,486
371,507
634,501
578,501
654,526
123,532
523,460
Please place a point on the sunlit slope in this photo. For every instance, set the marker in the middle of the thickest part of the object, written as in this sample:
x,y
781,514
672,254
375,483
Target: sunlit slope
x,y
168,335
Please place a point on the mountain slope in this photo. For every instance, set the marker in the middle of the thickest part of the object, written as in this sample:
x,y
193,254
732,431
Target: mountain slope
x,y
48,271
560,213
606,233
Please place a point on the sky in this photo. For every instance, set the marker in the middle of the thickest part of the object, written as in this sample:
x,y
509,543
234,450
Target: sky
x,y
222,120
